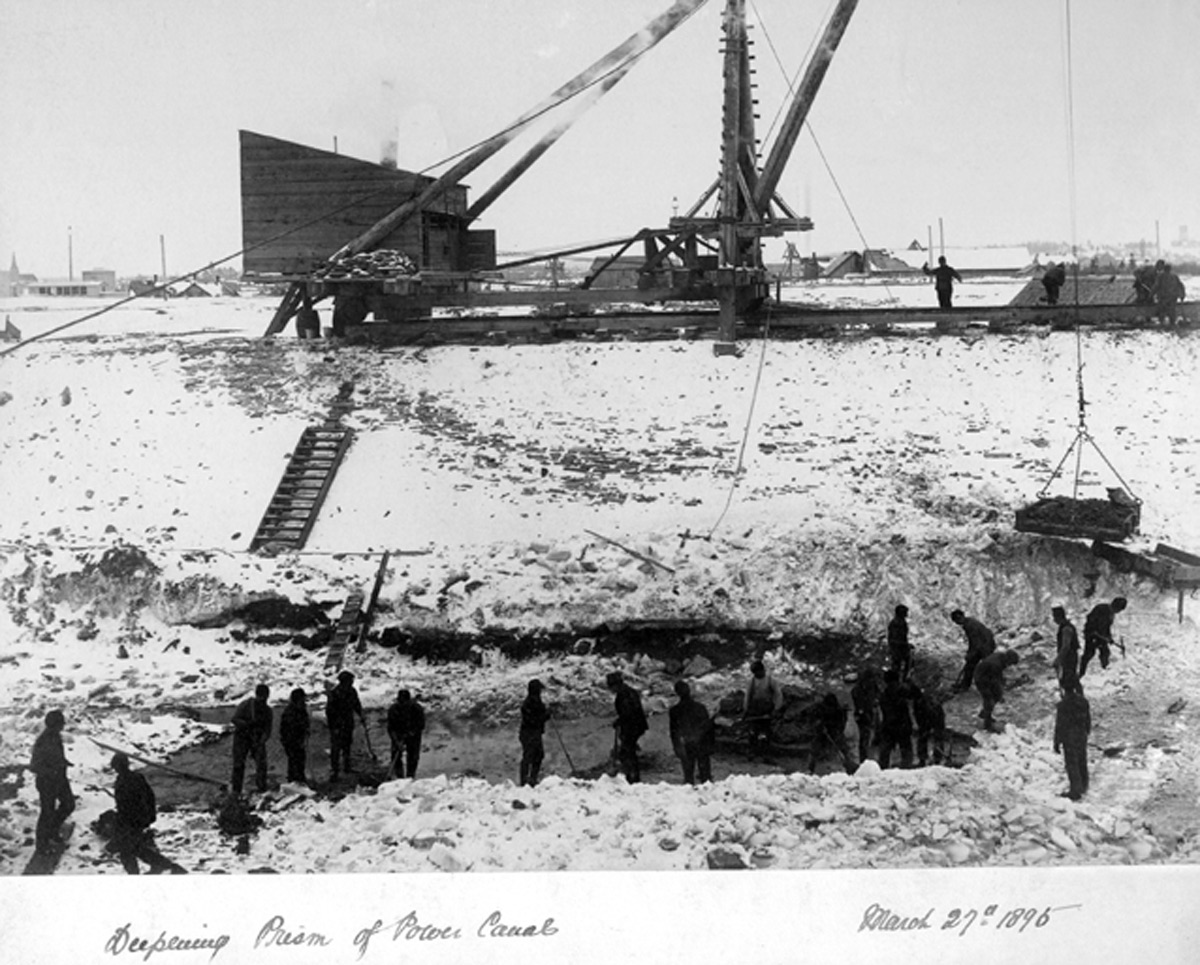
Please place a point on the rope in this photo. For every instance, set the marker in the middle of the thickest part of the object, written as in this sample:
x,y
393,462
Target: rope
x,y
740,468
159,289
791,84
1082,435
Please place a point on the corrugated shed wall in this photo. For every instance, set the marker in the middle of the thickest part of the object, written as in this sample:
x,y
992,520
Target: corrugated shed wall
x,y
285,185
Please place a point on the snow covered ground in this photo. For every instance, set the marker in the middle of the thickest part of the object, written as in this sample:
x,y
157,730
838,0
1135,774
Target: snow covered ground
x,y
866,471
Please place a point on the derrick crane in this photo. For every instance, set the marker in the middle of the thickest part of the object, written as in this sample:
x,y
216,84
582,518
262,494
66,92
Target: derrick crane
x,y
695,258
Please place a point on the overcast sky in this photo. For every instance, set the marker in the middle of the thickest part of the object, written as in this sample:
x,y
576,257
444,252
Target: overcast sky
x,y
120,118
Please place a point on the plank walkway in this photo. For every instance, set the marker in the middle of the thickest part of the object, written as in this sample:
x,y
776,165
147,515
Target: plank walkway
x,y
293,509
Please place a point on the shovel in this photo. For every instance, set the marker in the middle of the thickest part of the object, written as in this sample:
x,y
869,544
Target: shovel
x,y
570,763
614,756
162,767
367,735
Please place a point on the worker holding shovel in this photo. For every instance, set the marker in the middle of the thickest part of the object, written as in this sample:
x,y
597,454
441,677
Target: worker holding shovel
x,y
342,705
406,724
534,715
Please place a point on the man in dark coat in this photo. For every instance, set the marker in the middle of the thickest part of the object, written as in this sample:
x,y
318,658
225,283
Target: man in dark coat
x,y
132,837
895,725
294,729
534,715
864,695
252,723
1053,278
980,643
406,725
1169,291
930,718
630,725
831,734
1072,724
1097,632
989,680
944,278
1143,284
1066,653
691,735
899,648
49,765
342,705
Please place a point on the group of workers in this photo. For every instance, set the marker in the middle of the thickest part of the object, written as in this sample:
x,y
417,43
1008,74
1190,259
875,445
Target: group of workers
x,y
888,715
984,666
1155,285
252,724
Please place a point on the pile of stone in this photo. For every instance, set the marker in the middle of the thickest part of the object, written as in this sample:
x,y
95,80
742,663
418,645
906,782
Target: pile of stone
x,y
383,263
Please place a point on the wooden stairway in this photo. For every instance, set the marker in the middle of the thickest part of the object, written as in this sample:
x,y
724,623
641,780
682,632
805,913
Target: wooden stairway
x,y
306,480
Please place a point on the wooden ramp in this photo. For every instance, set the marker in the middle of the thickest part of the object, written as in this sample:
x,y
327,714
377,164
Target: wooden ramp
x,y
1170,568
306,480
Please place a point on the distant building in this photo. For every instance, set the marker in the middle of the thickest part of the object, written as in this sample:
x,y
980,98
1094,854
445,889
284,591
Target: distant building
x,y
62,287
192,289
106,276
10,280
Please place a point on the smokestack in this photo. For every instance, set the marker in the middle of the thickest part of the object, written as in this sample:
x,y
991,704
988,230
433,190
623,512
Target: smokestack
x,y
390,151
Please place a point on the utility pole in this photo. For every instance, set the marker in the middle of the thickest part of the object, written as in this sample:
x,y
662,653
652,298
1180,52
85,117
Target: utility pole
x,y
162,251
941,237
70,255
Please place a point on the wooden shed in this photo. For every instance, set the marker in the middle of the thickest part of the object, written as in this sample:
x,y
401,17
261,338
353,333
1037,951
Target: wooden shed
x,y
318,201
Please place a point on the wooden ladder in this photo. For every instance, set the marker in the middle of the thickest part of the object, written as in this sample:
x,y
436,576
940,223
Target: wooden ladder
x,y
306,480
346,631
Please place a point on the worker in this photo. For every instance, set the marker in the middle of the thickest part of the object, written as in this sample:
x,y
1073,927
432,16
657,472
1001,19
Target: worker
x,y
308,321
1066,653
1053,278
251,727
405,725
534,715
342,705
864,695
1168,292
294,729
1143,284
930,718
831,734
895,721
132,836
1072,724
944,278
980,643
899,648
630,725
989,679
49,764
762,699
692,735
1097,632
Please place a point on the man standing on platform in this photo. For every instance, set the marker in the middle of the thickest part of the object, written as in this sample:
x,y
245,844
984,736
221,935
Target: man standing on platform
x,y
944,278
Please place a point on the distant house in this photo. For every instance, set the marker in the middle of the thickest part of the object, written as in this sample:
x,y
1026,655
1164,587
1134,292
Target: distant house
x,y
619,273
998,260
106,276
56,287
192,289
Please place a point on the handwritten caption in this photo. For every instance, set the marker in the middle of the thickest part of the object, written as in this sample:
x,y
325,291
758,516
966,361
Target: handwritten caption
x,y
275,933
959,921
